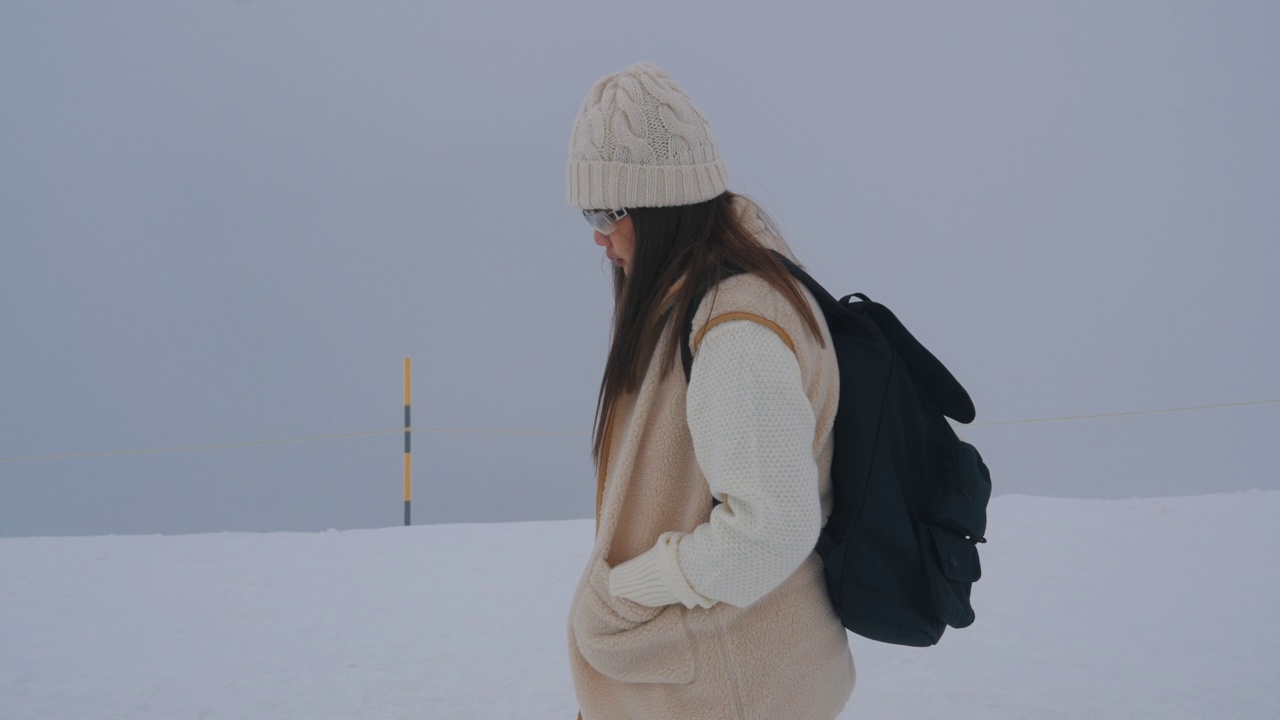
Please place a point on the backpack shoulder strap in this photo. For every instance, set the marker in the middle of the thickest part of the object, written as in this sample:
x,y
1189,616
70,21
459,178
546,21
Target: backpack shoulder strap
x,y
825,299
688,343
737,315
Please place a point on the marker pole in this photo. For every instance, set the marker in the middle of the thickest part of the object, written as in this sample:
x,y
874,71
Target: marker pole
x,y
408,458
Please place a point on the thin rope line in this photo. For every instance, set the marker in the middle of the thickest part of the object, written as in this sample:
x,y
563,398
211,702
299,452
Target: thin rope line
x,y
1066,418
482,431
284,441
544,433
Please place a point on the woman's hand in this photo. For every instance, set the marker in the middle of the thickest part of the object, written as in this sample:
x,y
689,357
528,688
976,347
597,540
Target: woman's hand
x,y
654,578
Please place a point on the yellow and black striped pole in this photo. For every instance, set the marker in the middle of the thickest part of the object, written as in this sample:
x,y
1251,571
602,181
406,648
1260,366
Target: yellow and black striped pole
x,y
408,458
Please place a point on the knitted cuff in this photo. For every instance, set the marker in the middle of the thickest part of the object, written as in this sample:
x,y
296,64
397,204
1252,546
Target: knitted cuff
x,y
654,578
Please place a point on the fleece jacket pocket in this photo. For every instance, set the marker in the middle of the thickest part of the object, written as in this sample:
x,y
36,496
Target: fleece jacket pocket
x,y
630,642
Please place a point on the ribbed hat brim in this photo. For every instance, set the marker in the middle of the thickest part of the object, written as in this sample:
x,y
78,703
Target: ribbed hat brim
x,y
598,185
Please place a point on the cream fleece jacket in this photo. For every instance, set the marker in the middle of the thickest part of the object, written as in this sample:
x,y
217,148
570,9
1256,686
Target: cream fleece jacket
x,y
752,428
785,655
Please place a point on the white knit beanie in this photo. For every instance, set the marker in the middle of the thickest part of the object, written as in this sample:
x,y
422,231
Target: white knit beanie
x,y
640,142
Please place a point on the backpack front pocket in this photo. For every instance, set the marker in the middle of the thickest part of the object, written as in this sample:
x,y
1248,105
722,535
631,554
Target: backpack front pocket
x,y
953,567
630,642
950,532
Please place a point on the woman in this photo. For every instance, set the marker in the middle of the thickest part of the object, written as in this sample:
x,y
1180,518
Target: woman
x,y
685,610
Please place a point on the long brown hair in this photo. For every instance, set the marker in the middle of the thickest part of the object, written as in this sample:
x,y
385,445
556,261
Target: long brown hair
x,y
695,243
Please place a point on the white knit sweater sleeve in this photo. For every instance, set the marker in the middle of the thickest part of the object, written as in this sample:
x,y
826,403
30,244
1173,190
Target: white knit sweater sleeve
x,y
753,428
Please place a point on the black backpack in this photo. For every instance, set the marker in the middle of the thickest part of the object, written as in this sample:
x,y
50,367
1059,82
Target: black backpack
x,y
910,498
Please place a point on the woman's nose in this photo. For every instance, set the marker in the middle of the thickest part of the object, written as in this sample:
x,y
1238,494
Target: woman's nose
x,y
601,239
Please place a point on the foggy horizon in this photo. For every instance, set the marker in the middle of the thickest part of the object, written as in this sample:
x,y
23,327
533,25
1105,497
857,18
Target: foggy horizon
x,y
230,222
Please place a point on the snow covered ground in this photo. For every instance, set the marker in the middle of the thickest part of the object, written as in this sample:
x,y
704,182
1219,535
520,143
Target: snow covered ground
x,y
1145,608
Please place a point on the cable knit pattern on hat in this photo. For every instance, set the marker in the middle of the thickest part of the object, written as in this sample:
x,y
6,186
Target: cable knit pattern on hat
x,y
639,141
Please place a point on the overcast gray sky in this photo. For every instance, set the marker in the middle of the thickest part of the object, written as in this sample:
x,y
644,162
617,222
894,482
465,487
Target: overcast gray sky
x,y
226,222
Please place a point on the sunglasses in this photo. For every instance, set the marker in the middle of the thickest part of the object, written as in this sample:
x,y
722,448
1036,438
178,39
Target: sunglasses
x,y
604,221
